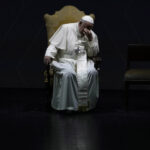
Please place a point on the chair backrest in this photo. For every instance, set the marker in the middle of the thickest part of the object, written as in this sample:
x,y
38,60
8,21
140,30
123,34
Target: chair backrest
x,y
68,14
138,52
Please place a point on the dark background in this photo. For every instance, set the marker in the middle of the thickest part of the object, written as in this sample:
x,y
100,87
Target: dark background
x,y
28,122
23,38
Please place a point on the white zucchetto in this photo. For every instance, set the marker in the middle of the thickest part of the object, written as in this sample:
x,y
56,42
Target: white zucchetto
x,y
88,19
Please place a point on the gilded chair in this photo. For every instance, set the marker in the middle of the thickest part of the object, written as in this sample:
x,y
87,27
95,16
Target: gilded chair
x,y
68,14
137,53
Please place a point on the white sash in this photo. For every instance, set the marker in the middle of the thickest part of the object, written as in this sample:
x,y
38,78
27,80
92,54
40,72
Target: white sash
x,y
82,76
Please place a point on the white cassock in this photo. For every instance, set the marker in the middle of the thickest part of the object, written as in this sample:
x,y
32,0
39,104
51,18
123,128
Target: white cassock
x,y
76,82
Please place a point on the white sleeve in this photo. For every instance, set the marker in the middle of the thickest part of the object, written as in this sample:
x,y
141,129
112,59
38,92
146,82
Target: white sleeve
x,y
59,38
57,41
51,51
93,46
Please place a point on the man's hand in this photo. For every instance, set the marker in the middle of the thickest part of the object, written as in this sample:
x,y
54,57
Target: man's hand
x,y
47,60
88,34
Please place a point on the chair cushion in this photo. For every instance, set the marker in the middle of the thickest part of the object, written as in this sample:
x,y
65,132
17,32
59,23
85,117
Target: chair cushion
x,y
137,74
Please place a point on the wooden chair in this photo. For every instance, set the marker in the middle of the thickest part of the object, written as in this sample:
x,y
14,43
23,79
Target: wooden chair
x,y
136,75
68,14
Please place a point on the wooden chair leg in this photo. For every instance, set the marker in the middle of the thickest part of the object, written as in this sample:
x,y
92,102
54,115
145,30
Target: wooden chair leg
x,y
48,85
126,95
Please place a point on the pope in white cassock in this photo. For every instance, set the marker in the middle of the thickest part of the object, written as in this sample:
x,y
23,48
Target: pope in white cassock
x,y
76,80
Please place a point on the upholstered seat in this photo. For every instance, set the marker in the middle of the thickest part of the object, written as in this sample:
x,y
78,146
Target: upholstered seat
x,y
137,74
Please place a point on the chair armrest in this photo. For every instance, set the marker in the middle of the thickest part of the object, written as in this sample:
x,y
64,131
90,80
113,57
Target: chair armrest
x,y
97,60
48,76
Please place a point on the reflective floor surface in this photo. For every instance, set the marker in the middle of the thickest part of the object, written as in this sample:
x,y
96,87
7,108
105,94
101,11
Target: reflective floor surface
x,y
28,123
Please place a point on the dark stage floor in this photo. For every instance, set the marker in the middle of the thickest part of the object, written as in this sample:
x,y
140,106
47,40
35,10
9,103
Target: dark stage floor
x,y
28,123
